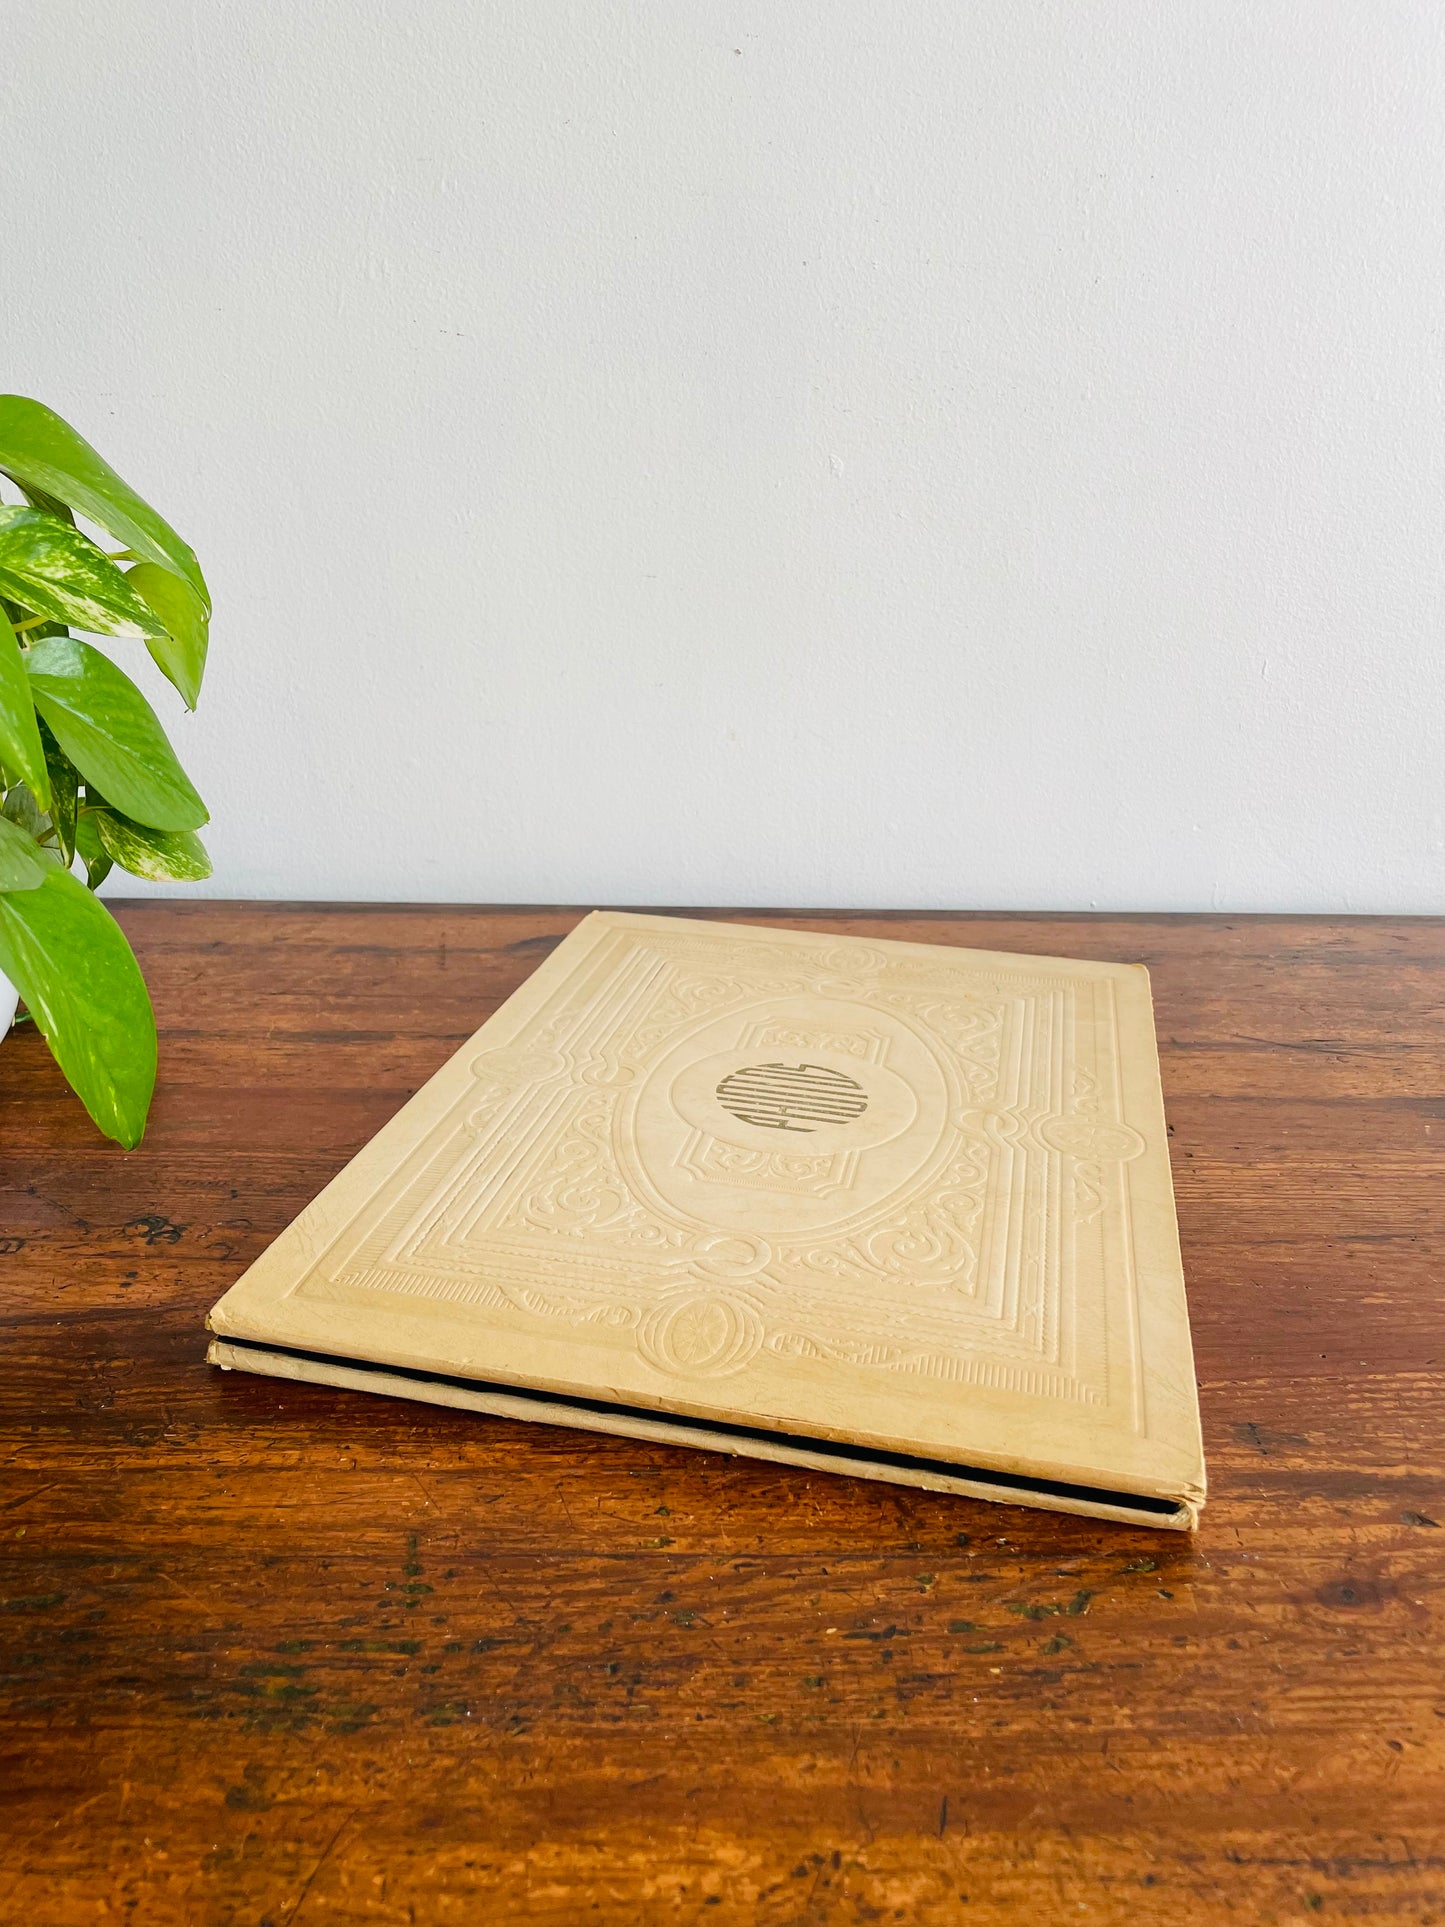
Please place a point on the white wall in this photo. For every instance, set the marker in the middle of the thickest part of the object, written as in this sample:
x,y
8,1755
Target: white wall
x,y
962,452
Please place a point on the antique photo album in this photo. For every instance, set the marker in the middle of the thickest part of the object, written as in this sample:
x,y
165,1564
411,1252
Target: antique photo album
x,y
894,1209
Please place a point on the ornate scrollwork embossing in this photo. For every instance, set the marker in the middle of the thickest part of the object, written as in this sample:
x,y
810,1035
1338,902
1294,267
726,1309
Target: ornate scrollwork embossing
x,y
581,1194
849,1043
1028,1097
935,1240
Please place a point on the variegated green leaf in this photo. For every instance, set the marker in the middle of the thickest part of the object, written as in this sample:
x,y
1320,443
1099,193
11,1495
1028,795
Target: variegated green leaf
x,y
20,748
22,867
54,570
64,785
111,734
181,652
98,864
68,958
21,807
52,504
174,856
41,451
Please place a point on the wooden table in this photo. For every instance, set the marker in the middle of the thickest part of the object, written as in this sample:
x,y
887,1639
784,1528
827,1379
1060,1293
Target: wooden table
x,y
276,1654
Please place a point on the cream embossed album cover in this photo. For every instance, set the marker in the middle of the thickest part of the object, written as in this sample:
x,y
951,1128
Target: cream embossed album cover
x,y
895,1209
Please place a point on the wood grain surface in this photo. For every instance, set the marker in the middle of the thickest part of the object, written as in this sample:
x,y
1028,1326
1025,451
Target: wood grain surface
x,y
275,1654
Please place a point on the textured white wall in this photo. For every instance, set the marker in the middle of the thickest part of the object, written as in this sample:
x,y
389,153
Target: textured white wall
x,y
944,454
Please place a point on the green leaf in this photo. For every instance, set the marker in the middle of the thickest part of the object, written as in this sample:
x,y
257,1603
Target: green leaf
x,y
98,865
176,856
52,504
40,451
111,734
55,570
21,807
64,784
68,958
20,748
181,652
22,867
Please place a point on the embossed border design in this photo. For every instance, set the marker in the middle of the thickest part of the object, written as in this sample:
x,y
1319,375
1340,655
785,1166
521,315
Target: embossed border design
x,y
516,1201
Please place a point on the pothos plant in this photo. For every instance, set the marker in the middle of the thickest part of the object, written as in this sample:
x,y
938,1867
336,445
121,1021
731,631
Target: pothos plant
x,y
86,770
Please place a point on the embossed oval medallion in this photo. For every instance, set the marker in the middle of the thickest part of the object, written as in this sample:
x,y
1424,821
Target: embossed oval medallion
x,y
788,1117
1093,1139
701,1336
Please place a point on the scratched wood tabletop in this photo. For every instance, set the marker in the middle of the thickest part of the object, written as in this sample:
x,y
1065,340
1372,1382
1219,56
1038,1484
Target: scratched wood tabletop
x,y
277,1654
